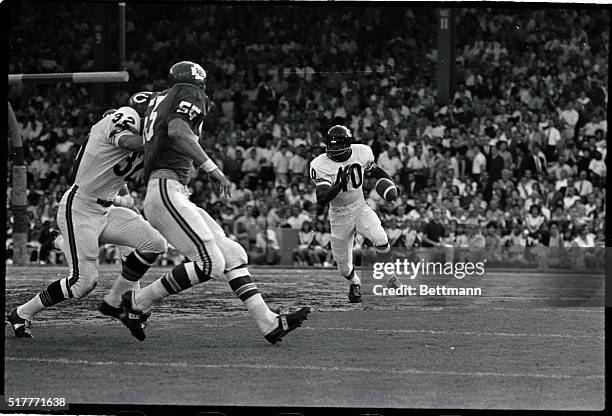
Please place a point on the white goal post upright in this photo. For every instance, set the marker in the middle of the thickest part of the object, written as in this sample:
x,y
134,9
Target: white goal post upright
x,y
19,194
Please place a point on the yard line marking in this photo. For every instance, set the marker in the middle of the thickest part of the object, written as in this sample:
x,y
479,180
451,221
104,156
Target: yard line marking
x,y
434,332
103,321
301,367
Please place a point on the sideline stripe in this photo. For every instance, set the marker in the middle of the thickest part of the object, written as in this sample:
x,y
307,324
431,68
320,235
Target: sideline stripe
x,y
303,368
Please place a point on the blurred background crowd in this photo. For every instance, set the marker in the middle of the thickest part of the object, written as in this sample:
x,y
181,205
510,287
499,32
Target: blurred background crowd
x,y
515,163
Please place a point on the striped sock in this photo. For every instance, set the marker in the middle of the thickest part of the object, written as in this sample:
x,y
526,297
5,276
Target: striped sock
x,y
241,283
133,267
180,278
52,295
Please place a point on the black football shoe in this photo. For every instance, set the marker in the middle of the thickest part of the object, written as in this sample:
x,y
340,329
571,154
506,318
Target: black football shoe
x,y
21,326
135,320
287,323
47,246
111,311
354,293
117,313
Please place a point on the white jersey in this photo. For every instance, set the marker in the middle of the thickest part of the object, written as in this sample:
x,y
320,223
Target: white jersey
x,y
324,171
102,167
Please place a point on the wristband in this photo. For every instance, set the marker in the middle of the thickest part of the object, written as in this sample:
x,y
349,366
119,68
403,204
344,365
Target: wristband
x,y
208,166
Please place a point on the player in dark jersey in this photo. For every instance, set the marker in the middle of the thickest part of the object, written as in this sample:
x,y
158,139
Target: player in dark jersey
x,y
172,129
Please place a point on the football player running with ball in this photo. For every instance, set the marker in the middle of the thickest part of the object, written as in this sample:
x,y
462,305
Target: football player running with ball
x,y
338,175
91,212
172,129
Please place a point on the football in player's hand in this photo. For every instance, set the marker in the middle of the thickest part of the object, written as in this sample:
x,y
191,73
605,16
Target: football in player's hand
x,y
386,189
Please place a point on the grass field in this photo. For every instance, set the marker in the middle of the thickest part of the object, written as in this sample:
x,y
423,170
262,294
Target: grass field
x,y
531,341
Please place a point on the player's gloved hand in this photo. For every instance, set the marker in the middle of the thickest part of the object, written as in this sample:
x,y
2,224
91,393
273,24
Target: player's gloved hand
x,y
225,186
123,201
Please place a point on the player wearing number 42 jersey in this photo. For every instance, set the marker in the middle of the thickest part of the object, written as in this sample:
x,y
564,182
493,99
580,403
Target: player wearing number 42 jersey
x,y
173,126
338,175
92,212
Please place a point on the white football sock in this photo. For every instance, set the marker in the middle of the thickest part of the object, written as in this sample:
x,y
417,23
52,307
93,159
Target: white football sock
x,y
147,296
121,285
30,308
266,319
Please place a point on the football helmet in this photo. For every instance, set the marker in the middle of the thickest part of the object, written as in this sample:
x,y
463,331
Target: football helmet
x,y
140,102
189,73
108,112
338,143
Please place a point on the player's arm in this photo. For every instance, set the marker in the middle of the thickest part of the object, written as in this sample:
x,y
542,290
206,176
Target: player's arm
x,y
186,142
325,191
377,172
126,126
371,168
133,142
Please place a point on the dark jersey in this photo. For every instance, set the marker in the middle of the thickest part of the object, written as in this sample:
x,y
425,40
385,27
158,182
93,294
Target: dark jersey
x,y
184,101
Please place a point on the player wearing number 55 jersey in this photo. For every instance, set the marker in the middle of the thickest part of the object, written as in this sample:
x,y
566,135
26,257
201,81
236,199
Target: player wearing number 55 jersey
x,y
86,217
172,129
338,175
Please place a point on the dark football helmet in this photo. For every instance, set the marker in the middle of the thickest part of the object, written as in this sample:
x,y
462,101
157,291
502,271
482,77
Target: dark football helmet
x,y
140,102
338,143
189,73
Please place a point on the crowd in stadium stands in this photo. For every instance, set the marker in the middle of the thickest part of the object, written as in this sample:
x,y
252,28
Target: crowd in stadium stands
x,y
515,163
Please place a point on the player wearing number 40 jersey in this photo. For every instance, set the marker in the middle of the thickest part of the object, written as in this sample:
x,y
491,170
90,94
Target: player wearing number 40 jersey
x,y
92,212
172,129
338,175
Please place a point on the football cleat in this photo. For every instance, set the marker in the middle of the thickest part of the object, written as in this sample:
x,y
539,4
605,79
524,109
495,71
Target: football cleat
x,y
117,313
287,323
47,246
135,320
354,294
21,326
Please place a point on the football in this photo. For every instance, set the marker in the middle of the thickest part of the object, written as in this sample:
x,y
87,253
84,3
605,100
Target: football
x,y
386,189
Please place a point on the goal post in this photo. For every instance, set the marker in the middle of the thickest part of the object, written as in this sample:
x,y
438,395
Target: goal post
x,y
19,201
75,77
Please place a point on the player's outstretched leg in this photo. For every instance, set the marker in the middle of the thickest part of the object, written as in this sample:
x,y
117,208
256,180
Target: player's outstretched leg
x,y
273,325
81,252
76,286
